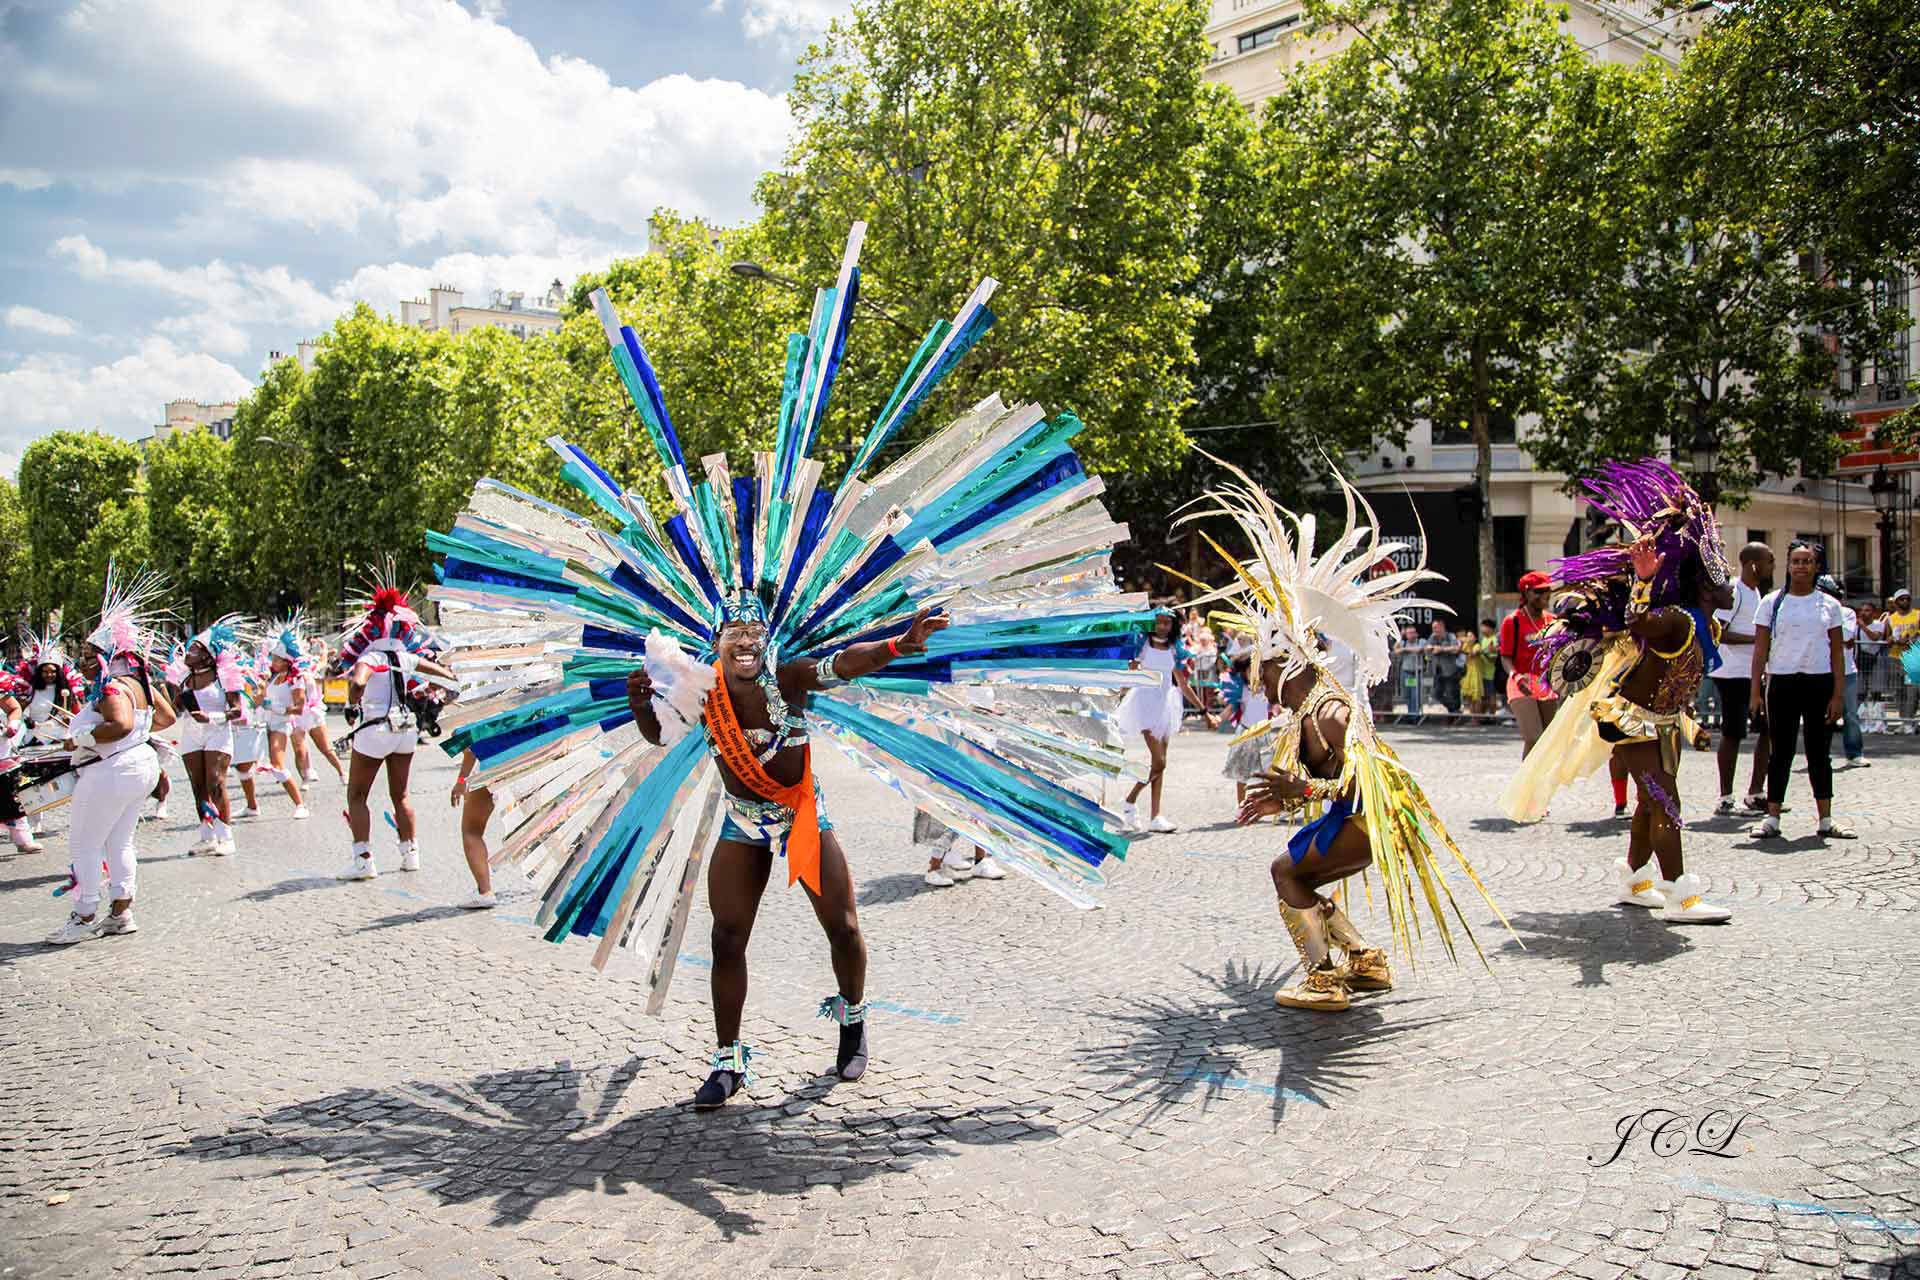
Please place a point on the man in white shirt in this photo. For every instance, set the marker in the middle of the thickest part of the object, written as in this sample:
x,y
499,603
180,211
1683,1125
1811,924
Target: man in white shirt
x,y
1733,678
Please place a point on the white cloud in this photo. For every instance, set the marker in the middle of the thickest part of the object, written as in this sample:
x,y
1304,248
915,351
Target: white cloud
x,y
317,196
34,321
420,114
9,463
232,294
790,20
383,286
46,393
26,179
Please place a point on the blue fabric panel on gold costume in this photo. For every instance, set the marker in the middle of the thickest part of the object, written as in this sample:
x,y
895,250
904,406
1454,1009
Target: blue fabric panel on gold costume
x,y
1318,834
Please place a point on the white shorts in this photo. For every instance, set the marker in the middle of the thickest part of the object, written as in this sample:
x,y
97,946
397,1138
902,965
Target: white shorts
x,y
215,735
249,743
313,717
377,742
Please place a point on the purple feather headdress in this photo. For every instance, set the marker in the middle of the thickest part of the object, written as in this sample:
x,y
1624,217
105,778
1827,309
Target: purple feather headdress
x,y
1648,499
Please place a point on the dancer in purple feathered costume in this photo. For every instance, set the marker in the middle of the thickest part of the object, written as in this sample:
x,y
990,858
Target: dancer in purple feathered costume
x,y
1632,640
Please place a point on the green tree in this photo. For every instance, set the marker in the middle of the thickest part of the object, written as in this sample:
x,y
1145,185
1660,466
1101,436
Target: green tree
x,y
67,480
1051,144
16,559
1720,336
372,420
276,540
717,342
191,525
1441,193
119,535
1809,111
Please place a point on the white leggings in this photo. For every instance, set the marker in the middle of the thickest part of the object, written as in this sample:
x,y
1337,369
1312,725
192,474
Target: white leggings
x,y
106,808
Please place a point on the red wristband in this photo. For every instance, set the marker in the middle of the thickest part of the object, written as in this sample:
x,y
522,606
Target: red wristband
x,y
893,647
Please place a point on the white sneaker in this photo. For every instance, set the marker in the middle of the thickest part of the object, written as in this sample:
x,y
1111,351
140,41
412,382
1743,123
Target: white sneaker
x,y
361,868
479,902
1685,904
160,812
300,811
1130,818
221,848
1161,823
23,837
203,845
252,811
122,923
410,858
1638,888
959,870
1765,829
309,777
75,930
985,868
1833,829
937,878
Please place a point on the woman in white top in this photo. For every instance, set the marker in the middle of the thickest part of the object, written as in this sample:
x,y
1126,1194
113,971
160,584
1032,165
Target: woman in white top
x,y
1797,643
1852,737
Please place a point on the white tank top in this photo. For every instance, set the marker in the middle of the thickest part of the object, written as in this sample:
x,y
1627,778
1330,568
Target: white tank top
x,y
40,709
89,718
211,699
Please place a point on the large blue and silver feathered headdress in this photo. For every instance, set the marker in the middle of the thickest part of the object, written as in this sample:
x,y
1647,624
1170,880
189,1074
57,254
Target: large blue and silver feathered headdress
x,y
1001,729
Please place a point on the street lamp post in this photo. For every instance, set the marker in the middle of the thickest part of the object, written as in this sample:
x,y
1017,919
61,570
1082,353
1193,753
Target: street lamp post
x,y
1703,452
754,271
1885,491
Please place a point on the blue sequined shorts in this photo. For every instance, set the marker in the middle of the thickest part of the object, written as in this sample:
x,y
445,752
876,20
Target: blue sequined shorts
x,y
758,823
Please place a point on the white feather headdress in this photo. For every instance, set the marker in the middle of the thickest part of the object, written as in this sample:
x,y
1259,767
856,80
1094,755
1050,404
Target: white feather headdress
x,y
129,611
1288,597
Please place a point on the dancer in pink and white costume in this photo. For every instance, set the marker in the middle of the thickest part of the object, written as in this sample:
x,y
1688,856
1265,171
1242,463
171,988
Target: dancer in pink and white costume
x,y
207,687
117,766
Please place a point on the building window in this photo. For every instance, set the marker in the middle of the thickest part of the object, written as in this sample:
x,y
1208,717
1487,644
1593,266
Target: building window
x,y
1859,578
1755,535
1509,551
1266,35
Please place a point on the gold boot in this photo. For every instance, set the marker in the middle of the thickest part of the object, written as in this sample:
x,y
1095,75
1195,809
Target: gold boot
x,y
1323,988
1366,968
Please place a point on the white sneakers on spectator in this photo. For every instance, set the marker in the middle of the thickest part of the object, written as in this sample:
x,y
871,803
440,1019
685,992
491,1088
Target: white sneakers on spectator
x,y
1686,905
409,856
1130,817
1161,823
479,902
360,867
985,868
77,929
118,924
1832,829
252,811
300,811
937,878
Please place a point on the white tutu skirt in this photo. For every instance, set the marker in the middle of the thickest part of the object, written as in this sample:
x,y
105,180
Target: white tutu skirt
x,y
1154,711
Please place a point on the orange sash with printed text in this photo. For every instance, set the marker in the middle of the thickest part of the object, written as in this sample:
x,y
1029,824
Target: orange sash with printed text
x,y
730,744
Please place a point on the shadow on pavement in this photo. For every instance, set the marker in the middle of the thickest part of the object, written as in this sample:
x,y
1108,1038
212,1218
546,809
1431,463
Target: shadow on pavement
x,y
519,1138
1610,828
421,916
1592,940
897,887
1496,824
1175,1052
299,884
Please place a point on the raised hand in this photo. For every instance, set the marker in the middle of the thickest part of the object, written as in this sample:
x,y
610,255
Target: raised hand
x,y
925,623
1646,561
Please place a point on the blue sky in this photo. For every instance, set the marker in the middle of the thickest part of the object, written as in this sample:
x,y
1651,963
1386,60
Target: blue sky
x,y
186,185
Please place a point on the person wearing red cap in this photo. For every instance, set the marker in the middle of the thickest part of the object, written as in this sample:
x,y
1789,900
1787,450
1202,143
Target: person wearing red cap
x,y
1532,700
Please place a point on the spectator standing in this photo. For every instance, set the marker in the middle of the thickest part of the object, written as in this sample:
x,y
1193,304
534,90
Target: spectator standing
x,y
1447,663
1533,702
1798,647
1852,739
1408,660
1903,629
1872,644
1734,679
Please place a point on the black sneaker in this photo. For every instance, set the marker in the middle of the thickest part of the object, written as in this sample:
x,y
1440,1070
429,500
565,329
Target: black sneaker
x,y
851,1063
720,1086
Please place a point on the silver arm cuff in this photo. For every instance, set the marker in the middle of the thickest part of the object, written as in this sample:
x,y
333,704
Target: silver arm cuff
x,y
823,672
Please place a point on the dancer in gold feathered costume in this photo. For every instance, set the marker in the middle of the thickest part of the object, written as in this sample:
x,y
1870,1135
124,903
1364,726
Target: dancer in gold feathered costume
x,y
1326,751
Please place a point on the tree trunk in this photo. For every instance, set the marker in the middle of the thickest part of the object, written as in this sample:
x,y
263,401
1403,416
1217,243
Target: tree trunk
x,y
1478,413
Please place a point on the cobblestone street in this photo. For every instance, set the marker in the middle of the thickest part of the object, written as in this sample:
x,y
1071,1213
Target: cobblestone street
x,y
285,1074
